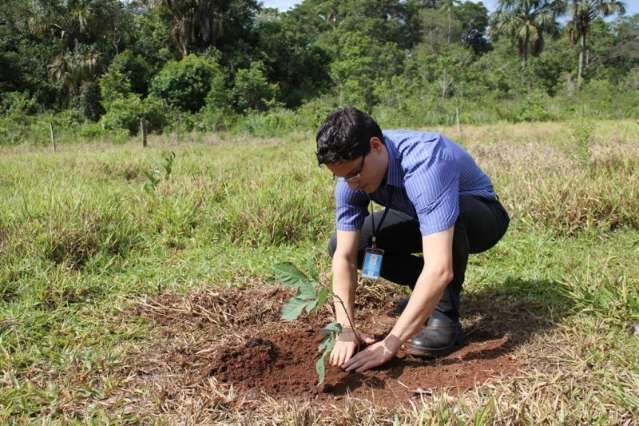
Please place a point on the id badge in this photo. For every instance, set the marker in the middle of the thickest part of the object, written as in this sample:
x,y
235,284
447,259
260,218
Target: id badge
x,y
372,266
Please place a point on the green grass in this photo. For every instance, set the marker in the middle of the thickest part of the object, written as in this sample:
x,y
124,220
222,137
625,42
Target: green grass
x,y
81,240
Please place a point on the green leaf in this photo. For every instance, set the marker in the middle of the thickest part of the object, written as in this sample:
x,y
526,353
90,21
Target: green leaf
x,y
320,368
332,328
289,275
325,343
307,290
311,305
322,296
313,272
293,308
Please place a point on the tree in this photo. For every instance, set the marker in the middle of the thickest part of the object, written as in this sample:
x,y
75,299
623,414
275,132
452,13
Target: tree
x,y
199,24
527,21
449,6
291,57
185,84
583,13
251,89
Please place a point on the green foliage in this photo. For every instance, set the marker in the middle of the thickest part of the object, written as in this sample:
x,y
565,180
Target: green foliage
x,y
291,57
251,89
90,101
133,70
309,297
185,84
153,176
415,62
534,108
17,103
581,132
126,113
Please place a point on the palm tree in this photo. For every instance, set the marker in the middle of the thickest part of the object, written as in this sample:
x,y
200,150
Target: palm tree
x,y
583,13
527,21
203,23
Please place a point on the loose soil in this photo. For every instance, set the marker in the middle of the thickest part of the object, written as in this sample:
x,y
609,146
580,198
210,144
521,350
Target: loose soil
x,y
235,339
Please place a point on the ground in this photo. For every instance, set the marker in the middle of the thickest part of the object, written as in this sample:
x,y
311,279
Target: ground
x,y
125,302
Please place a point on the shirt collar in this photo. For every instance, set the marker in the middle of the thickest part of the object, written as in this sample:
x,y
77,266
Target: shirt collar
x,y
394,173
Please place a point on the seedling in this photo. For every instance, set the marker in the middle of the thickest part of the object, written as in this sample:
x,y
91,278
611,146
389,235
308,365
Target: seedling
x,y
310,296
153,176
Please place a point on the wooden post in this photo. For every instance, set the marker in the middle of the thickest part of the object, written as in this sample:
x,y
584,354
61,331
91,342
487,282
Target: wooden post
x,y
52,136
143,132
459,129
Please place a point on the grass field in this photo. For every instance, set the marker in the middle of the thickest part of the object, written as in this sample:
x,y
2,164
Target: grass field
x,y
88,233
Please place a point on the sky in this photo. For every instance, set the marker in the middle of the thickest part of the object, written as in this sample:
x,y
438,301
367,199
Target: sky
x,y
632,6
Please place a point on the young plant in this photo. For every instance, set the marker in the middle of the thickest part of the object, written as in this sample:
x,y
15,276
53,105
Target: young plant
x,y
310,296
153,176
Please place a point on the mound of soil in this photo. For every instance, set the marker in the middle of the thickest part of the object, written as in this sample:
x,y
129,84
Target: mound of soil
x,y
281,364
235,338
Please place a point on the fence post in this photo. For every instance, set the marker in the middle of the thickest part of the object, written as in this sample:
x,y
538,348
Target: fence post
x,y
459,129
143,132
52,136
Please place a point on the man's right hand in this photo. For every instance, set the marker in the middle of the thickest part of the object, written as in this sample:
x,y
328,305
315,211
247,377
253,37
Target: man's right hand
x,y
346,346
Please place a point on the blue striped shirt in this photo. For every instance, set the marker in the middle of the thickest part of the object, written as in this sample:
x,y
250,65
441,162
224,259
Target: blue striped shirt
x,y
426,175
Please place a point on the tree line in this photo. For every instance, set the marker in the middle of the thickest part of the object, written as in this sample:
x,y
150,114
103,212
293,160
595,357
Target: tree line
x,y
209,64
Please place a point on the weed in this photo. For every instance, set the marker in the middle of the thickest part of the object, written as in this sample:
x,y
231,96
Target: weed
x,y
153,176
582,136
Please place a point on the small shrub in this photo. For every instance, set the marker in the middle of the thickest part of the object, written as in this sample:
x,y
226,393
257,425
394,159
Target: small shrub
x,y
126,113
186,84
15,103
251,89
581,132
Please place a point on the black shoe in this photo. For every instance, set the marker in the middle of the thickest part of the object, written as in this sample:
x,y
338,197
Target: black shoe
x,y
440,337
399,307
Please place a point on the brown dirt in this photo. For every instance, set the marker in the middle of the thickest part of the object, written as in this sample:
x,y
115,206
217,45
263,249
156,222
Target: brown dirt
x,y
235,338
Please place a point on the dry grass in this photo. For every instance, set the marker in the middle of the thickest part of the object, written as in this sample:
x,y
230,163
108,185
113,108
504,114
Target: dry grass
x,y
80,238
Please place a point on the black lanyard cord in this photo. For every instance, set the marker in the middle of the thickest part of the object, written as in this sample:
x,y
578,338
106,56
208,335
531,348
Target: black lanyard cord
x,y
381,222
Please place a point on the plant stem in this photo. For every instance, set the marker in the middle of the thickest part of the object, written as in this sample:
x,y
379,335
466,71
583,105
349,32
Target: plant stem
x,y
339,299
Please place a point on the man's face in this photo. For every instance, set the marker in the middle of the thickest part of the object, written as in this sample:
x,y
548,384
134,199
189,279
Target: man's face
x,y
365,172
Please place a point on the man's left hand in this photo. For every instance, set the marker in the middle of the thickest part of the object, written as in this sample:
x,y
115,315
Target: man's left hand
x,y
373,356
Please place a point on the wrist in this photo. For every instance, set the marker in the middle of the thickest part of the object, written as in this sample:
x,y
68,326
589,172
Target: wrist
x,y
392,343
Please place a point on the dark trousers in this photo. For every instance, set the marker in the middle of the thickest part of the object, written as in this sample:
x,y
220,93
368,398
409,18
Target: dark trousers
x,y
480,225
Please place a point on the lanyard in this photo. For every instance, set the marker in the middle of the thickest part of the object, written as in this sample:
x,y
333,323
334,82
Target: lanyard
x,y
381,222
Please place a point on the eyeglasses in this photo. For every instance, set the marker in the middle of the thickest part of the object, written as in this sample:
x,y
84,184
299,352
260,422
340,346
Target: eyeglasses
x,y
355,175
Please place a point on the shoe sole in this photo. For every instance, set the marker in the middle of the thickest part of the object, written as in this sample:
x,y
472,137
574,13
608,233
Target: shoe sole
x,y
436,352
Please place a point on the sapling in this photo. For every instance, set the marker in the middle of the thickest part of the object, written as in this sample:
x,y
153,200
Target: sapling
x,y
309,297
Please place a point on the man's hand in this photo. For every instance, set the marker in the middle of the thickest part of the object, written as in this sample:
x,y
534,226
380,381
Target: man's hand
x,y
375,355
346,346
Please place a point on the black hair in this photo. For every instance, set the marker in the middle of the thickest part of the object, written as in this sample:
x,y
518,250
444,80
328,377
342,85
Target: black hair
x,y
345,135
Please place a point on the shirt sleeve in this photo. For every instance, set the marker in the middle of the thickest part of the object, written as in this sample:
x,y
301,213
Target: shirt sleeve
x,y
434,192
351,207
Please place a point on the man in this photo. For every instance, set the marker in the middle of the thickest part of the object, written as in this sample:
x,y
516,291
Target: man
x,y
438,202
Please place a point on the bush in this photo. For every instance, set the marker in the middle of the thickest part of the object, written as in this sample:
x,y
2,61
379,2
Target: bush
x,y
186,84
533,108
17,103
126,114
276,122
252,90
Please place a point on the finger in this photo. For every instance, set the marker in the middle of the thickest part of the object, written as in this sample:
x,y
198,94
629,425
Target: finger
x,y
334,357
367,364
340,359
346,355
356,361
349,353
369,340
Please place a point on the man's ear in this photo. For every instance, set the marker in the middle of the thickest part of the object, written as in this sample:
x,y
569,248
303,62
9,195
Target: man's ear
x,y
376,143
